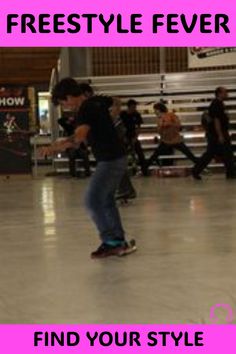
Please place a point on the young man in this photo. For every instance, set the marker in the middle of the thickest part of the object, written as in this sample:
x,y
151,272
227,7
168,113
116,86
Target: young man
x,y
168,126
94,124
218,137
132,120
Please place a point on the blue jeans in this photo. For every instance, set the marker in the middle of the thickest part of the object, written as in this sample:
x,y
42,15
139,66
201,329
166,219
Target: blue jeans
x,y
100,199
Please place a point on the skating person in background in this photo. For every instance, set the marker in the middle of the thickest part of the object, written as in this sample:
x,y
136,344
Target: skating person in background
x,y
69,124
125,189
169,127
218,137
132,120
94,123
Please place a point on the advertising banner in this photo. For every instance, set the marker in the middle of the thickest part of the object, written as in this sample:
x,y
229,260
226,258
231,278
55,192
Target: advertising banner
x,y
199,57
15,152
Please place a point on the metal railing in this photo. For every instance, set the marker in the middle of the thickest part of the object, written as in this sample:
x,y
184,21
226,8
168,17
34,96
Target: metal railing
x,y
187,93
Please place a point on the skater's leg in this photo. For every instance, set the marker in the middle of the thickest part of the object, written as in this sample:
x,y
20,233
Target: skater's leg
x,y
141,157
126,188
156,153
226,152
186,151
71,153
204,160
83,154
100,201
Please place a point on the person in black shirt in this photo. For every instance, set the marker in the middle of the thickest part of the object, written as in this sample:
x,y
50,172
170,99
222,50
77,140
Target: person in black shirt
x,y
94,124
132,120
125,189
69,124
218,137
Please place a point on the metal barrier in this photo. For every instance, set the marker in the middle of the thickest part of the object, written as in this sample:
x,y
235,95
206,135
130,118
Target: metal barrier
x,y
188,94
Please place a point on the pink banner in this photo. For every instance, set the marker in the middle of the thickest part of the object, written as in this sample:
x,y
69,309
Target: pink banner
x,y
30,339
118,23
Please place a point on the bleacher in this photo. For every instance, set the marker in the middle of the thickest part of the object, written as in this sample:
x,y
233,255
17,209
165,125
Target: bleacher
x,y
188,94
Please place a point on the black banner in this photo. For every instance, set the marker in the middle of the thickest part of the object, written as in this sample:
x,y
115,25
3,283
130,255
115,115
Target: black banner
x,y
15,151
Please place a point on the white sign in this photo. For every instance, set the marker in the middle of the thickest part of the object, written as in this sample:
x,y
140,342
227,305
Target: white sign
x,y
207,57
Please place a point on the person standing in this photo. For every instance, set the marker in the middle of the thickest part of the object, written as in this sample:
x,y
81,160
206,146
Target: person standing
x,y
169,127
94,123
125,189
132,120
69,124
218,137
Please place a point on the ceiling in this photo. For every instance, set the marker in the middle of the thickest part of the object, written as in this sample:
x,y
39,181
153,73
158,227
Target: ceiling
x,y
31,66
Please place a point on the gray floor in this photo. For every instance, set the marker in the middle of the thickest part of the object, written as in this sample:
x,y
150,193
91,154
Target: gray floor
x,y
185,264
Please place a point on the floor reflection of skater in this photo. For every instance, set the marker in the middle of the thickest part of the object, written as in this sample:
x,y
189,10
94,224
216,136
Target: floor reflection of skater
x,y
169,127
94,123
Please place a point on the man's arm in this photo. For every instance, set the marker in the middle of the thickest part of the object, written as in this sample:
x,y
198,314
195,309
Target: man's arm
x,y
139,122
218,129
80,135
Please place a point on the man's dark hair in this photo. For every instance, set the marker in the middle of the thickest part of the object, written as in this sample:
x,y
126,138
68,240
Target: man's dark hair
x,y
86,89
160,107
65,87
132,102
218,90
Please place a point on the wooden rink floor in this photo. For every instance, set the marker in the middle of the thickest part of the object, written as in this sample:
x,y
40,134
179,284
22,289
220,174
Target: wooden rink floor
x,y
185,263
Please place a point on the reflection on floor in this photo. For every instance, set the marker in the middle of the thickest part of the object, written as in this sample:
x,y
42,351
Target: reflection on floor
x,y
185,264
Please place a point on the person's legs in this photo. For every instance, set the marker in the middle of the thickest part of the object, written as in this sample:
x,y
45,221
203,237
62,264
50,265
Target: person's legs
x,y
101,205
71,153
186,151
141,157
100,200
204,160
226,152
84,155
114,220
125,188
156,153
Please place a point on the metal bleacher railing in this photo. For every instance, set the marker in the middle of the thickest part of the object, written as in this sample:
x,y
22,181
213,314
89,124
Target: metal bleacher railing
x,y
188,94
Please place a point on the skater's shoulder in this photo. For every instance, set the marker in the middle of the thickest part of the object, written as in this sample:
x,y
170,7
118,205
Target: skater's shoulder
x,y
100,100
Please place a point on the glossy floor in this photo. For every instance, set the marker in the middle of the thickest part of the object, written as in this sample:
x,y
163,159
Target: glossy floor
x,y
186,235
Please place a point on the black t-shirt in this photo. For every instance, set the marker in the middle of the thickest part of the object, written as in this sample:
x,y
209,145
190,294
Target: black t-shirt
x,y
104,140
132,121
217,111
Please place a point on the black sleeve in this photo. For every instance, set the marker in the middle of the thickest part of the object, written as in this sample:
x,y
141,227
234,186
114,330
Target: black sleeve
x,y
139,119
123,117
68,128
61,122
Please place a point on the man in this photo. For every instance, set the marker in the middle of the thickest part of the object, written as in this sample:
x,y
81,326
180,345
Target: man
x,y
95,124
218,137
168,126
132,120
125,189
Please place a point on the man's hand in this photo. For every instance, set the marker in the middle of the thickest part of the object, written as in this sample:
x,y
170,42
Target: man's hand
x,y
58,146
219,132
221,139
